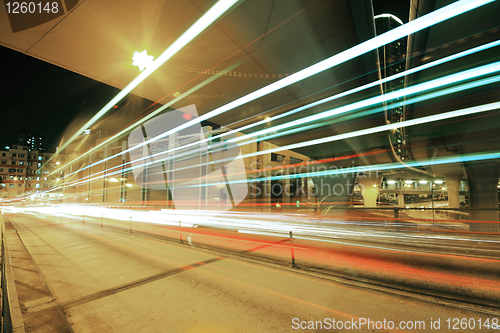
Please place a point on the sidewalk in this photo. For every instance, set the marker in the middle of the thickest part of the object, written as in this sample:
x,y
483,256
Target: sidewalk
x,y
39,308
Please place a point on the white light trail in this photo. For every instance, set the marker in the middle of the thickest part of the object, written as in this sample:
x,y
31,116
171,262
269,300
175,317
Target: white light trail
x,y
204,22
440,15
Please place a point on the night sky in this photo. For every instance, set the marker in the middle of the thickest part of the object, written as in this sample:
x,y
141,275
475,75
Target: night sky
x,y
41,98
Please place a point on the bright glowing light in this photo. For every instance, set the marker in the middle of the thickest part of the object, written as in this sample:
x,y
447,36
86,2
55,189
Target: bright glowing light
x,y
268,119
204,22
418,24
57,163
142,60
423,22
128,185
391,182
438,181
408,181
423,182
113,180
444,188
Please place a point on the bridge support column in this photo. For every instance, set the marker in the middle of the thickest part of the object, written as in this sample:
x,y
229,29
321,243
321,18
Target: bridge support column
x,y
453,187
482,178
401,200
370,188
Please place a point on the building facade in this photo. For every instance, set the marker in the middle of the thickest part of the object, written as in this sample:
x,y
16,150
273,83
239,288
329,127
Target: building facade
x,y
26,172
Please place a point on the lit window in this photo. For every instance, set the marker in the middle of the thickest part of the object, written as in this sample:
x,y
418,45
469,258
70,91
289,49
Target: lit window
x,y
37,185
45,178
37,178
11,185
39,164
39,158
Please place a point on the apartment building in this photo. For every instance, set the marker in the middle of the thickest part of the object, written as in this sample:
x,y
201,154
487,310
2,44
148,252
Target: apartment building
x,y
113,182
24,171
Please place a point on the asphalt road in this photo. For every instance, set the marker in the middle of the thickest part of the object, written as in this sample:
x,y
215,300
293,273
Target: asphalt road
x,y
109,281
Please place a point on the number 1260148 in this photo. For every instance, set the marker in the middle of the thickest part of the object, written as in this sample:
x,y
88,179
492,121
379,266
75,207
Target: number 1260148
x,y
32,7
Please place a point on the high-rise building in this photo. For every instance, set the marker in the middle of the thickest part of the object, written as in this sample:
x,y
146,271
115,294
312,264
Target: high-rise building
x,y
22,170
31,141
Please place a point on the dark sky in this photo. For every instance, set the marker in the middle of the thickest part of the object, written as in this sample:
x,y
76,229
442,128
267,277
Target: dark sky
x,y
400,8
40,98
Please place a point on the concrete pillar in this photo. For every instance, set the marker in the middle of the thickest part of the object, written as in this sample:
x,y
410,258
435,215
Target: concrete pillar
x,y
266,186
453,186
482,178
370,187
401,200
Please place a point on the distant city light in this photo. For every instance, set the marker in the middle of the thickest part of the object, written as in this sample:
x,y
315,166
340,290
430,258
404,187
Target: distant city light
x,y
391,182
438,181
408,181
113,180
128,185
423,182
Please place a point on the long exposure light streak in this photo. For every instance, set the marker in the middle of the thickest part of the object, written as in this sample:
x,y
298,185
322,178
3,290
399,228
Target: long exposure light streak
x,y
449,115
152,114
340,95
197,28
407,123
420,88
450,79
381,167
440,15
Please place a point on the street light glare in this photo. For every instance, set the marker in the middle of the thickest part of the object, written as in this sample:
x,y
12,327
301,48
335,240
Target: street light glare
x,y
142,60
